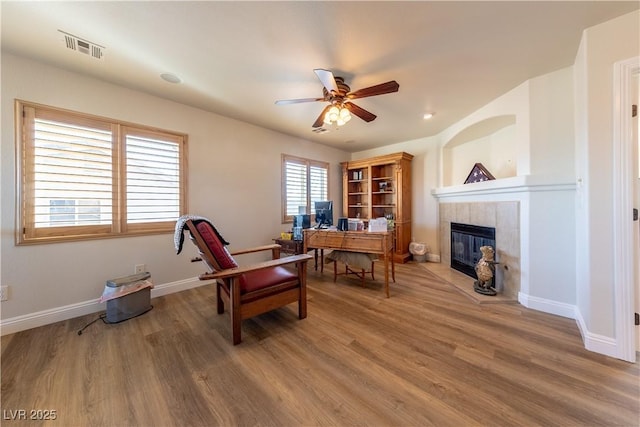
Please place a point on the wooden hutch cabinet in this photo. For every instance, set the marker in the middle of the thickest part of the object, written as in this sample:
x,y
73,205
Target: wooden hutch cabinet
x,y
381,187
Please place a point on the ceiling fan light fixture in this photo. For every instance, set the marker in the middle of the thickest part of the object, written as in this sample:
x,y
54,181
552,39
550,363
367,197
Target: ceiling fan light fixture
x,y
338,115
345,115
332,115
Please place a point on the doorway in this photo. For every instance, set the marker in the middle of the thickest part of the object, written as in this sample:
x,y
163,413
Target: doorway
x,y
625,230
635,124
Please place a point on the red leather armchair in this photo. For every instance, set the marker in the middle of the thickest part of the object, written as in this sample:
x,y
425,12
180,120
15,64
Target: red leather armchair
x,y
248,291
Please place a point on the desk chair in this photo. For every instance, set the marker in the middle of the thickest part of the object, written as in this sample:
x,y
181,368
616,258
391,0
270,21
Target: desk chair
x,y
250,290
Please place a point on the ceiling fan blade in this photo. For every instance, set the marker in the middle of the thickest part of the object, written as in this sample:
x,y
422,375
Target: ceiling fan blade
x,y
360,112
297,101
327,79
320,120
380,89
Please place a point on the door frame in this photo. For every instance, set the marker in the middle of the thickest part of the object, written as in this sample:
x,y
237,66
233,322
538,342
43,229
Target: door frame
x,y
623,267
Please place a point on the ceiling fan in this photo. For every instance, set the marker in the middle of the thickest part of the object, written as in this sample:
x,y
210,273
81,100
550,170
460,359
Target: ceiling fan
x,y
339,95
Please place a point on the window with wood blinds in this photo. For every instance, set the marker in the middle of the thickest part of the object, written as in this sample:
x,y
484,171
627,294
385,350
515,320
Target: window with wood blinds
x,y
304,181
87,177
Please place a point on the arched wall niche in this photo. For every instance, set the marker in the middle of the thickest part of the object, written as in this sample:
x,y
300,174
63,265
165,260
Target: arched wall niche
x,y
491,142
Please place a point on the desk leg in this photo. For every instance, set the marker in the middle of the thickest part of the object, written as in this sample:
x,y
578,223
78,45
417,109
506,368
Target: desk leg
x,y
315,259
393,269
386,274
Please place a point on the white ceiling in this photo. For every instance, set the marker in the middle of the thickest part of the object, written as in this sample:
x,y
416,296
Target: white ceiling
x,y
237,58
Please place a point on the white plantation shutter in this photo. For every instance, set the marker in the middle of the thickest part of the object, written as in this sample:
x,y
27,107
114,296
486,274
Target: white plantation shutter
x,y
304,181
295,187
86,177
73,175
318,185
153,180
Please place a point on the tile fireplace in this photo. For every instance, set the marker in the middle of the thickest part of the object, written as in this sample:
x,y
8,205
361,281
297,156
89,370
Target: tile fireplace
x,y
503,217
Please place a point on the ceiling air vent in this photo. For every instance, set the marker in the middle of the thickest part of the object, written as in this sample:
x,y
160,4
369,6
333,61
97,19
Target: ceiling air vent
x,y
319,130
83,46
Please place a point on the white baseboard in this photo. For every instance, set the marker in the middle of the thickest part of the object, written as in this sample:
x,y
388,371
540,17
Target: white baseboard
x,y
433,257
46,317
180,285
547,306
594,342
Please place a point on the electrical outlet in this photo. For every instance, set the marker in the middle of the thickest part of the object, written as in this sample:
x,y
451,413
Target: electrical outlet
x,y
4,293
140,268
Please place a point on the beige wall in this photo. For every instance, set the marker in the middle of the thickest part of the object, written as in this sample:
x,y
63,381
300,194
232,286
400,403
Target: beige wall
x,y
234,179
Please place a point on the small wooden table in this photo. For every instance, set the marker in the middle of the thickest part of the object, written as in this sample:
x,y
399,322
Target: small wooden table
x,y
294,247
380,243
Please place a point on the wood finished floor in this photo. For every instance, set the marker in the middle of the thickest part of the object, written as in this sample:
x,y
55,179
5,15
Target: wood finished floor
x,y
427,356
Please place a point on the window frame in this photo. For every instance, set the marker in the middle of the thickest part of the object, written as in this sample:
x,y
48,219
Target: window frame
x,y
27,233
308,164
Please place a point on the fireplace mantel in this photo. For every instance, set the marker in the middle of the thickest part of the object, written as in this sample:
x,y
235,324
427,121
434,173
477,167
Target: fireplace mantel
x,y
516,184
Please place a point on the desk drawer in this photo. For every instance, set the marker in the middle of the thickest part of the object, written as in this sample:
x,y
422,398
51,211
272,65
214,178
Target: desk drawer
x,y
349,241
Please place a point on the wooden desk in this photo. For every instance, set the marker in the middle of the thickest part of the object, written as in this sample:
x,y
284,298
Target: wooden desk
x,y
354,241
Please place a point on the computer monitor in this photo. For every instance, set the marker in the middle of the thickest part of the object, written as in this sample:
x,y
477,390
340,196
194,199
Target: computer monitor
x,y
324,213
302,221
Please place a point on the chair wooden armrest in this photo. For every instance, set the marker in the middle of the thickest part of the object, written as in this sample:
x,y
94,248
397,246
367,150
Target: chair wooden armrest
x,y
232,272
248,251
256,249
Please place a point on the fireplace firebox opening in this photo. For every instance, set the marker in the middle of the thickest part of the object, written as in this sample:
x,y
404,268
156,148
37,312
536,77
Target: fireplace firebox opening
x,y
466,241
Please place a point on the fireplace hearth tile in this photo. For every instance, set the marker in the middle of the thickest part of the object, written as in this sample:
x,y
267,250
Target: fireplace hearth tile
x,y
464,284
